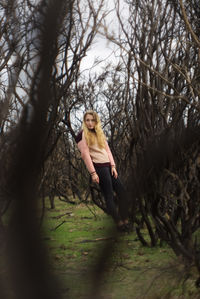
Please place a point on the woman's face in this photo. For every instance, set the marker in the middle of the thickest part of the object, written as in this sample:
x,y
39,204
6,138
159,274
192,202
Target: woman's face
x,y
90,121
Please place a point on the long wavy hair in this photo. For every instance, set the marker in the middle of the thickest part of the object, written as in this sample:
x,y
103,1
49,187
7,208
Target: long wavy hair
x,y
98,133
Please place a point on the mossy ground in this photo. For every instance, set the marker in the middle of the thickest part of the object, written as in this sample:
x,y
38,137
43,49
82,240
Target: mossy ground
x,y
76,236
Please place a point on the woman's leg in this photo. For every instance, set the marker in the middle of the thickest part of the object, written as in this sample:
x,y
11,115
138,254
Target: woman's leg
x,y
106,185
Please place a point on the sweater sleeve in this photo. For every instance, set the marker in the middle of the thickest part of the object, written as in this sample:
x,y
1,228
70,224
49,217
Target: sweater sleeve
x,y
110,156
85,154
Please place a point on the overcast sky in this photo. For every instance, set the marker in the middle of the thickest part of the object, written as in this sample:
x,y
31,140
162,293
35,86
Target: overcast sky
x,y
101,48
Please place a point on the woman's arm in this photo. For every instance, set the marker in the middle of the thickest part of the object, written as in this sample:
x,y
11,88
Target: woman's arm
x,y
85,154
110,156
111,159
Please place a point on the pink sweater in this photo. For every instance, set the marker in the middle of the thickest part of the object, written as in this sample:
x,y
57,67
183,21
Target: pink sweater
x,y
94,154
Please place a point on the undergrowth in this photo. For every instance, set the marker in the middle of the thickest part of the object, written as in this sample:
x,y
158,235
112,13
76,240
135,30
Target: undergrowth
x,y
76,236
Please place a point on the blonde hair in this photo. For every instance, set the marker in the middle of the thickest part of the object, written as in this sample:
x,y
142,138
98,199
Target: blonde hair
x,y
99,134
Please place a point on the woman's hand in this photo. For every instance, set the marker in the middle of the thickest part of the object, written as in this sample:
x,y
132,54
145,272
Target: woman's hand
x,y
95,178
114,172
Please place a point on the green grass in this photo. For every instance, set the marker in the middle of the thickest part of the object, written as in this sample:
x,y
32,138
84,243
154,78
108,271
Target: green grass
x,y
75,243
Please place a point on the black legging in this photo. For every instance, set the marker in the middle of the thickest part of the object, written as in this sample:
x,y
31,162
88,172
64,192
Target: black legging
x,y
108,183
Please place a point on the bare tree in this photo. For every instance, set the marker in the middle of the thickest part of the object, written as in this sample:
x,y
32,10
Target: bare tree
x,y
156,92
24,145
150,114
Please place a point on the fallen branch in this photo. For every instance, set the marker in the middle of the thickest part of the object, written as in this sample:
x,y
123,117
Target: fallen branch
x,y
60,216
58,225
96,240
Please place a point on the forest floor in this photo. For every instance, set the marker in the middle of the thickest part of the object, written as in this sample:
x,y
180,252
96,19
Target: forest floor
x,y
79,237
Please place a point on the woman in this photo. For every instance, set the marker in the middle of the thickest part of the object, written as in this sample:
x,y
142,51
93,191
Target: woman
x,y
99,161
